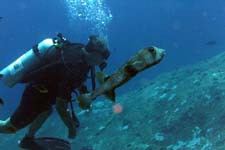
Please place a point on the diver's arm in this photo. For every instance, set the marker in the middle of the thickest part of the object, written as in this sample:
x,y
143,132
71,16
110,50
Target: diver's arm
x,y
61,107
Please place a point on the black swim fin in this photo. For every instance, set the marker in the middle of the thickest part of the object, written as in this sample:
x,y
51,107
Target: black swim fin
x,y
48,143
29,143
111,95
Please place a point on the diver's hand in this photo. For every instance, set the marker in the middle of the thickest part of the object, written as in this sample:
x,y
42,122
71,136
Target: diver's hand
x,y
84,101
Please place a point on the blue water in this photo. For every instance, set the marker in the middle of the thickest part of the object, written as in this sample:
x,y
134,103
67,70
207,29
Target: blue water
x,y
181,27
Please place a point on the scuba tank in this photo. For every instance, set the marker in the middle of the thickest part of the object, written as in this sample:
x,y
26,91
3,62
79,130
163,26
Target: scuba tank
x,y
45,51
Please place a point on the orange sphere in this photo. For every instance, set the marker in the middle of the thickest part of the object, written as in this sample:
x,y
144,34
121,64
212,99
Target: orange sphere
x,y
117,108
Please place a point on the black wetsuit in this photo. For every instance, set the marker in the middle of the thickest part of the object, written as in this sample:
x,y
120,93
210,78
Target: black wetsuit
x,y
60,80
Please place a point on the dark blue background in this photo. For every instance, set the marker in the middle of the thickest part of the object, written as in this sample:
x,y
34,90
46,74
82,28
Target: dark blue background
x,y
180,27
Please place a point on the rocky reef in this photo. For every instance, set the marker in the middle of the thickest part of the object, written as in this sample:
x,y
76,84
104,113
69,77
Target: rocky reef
x,y
179,110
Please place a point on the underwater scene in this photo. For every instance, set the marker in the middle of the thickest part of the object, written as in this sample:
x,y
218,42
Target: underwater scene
x,y
112,75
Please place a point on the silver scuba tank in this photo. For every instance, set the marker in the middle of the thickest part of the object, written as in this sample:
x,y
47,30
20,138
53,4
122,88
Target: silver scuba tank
x,y
31,60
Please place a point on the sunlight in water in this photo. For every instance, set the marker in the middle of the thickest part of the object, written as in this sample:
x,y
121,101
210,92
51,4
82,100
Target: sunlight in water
x,y
94,12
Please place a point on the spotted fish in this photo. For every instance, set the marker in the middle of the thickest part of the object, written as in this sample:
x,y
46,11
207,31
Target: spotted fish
x,y
145,58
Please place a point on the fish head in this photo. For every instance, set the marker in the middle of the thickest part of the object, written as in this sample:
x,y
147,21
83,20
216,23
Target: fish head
x,y
155,54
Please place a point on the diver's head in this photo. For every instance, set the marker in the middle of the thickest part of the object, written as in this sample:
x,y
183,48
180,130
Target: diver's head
x,y
97,51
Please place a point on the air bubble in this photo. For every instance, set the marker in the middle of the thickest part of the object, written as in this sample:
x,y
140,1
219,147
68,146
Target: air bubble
x,y
94,12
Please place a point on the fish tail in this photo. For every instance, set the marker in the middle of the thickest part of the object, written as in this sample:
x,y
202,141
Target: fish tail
x,y
111,95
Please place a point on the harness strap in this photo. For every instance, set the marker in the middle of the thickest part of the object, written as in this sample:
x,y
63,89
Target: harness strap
x,y
93,78
36,50
74,117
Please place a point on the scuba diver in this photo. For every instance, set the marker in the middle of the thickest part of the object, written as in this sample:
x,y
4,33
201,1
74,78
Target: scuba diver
x,y
52,70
